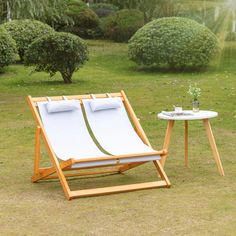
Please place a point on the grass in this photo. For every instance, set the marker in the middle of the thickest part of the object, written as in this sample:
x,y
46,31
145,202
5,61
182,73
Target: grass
x,y
200,202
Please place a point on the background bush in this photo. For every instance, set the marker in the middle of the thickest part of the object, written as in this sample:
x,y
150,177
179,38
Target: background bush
x,y
231,36
24,32
7,48
123,24
103,9
84,19
173,42
57,52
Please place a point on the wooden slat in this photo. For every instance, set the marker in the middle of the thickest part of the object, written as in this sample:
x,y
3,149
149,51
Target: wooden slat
x,y
99,172
79,97
51,170
116,189
162,152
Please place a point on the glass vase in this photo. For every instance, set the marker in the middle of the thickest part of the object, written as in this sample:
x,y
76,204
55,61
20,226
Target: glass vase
x,y
196,105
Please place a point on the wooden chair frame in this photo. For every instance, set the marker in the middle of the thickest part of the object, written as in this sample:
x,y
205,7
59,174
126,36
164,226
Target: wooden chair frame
x,y
58,168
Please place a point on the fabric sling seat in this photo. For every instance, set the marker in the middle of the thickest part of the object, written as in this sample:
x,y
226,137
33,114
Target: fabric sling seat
x,y
72,150
115,133
69,136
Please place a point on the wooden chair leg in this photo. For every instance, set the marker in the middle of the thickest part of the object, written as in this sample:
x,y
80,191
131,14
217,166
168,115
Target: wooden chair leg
x,y
164,182
161,172
213,146
186,143
45,172
37,150
169,129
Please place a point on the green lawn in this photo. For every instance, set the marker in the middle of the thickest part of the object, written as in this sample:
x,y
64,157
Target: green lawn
x,y
200,202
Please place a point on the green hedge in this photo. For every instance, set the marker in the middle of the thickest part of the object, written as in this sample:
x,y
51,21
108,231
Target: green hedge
x,y
231,36
84,19
123,24
24,32
57,52
81,14
173,42
103,9
7,48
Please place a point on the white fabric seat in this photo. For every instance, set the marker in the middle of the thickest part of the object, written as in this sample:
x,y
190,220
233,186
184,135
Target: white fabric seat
x,y
115,133
70,138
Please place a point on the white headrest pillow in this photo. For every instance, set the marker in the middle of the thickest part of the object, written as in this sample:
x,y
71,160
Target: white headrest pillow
x,y
99,104
62,106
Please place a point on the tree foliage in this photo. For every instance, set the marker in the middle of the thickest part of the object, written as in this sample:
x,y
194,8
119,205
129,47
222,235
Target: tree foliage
x,y
24,32
123,24
7,48
57,52
44,10
173,42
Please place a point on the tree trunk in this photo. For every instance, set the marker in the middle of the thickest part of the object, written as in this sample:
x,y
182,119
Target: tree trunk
x,y
145,17
67,77
8,11
234,23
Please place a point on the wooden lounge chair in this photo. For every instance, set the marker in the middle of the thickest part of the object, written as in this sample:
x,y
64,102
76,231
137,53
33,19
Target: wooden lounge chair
x,y
71,148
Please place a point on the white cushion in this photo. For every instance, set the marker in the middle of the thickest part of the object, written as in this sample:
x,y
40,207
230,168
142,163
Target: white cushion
x,y
104,104
62,106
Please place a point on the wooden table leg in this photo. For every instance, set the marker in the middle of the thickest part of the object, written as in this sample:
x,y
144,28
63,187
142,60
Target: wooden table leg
x,y
186,143
213,146
169,128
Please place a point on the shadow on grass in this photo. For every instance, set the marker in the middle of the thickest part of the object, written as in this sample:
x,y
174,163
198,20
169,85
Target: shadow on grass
x,y
164,70
51,82
76,178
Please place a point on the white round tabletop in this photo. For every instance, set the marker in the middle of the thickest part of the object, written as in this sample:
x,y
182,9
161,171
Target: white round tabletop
x,y
187,115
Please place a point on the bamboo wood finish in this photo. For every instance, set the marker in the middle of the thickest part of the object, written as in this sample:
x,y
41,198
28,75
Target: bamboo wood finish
x,y
169,129
135,120
51,154
58,168
213,146
99,172
186,143
37,150
49,171
117,189
78,97
162,152
140,132
210,136
161,172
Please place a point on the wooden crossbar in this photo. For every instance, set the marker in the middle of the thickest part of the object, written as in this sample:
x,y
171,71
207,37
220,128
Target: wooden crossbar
x,y
116,189
57,169
77,97
157,153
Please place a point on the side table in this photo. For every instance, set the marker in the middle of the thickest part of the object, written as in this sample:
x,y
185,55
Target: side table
x,y
187,116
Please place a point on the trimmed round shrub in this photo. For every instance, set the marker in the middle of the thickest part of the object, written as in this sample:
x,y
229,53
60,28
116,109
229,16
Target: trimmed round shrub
x,y
103,9
24,32
123,24
231,36
81,14
84,19
173,42
57,52
7,48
